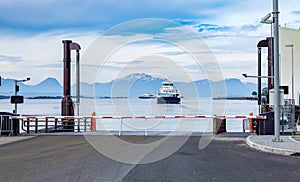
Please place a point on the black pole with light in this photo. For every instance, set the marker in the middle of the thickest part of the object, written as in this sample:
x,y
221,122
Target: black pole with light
x,y
17,99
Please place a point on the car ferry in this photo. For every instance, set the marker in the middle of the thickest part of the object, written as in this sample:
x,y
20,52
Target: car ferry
x,y
167,94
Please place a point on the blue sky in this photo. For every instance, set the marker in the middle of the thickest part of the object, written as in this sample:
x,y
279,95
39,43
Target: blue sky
x,y
31,33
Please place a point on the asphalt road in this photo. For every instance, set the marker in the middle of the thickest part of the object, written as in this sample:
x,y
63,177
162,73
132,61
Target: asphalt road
x,y
71,158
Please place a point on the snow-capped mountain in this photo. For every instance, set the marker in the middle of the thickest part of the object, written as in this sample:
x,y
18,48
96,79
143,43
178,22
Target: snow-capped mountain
x,y
132,86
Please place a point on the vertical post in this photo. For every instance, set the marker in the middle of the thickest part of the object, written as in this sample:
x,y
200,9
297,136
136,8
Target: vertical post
x,y
293,76
93,121
251,122
75,46
293,88
85,124
36,128
46,125
67,103
121,124
259,80
146,132
78,120
28,126
270,46
77,81
276,72
55,124
16,91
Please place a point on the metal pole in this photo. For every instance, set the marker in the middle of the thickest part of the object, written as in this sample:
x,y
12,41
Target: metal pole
x,y
67,103
76,46
259,80
293,76
15,111
77,81
276,72
293,87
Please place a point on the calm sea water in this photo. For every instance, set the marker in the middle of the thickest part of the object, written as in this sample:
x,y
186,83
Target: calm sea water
x,y
145,107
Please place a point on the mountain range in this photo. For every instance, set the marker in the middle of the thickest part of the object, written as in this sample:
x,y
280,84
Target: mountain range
x,y
134,85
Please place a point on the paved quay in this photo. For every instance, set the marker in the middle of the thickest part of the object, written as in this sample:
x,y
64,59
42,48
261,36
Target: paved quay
x,y
290,145
73,158
12,139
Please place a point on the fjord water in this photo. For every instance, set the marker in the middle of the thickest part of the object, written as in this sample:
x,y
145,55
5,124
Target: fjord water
x,y
145,107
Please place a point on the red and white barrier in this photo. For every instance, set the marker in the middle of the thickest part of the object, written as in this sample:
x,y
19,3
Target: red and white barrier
x,y
143,117
90,121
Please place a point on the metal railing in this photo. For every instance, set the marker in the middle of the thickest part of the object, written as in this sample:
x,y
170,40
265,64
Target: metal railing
x,y
6,125
47,124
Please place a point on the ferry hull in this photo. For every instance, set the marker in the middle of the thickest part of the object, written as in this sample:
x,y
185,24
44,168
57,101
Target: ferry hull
x,y
146,97
168,100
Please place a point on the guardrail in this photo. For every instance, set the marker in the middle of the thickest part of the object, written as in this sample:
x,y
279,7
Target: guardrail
x,y
45,124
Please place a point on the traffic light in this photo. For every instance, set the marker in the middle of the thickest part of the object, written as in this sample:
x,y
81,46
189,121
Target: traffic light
x,y
17,88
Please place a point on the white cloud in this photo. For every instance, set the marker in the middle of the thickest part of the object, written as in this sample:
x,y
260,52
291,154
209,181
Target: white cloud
x,y
37,52
10,58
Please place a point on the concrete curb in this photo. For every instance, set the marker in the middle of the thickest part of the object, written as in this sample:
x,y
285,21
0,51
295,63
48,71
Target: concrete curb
x,y
12,139
269,149
291,138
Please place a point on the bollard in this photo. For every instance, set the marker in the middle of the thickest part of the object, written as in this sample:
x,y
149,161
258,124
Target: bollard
x,y
251,123
93,121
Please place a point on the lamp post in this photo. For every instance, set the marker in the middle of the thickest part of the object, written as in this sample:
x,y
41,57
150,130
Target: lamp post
x,y
252,76
259,87
17,90
275,23
276,72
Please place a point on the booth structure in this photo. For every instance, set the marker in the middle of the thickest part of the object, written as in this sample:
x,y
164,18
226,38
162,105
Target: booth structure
x,y
290,62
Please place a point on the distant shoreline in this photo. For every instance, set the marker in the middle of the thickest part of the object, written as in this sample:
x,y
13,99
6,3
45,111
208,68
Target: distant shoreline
x,y
60,97
45,97
235,98
105,97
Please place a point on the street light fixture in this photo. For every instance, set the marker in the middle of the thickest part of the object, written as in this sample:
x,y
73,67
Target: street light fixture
x,y
259,88
275,23
17,88
251,76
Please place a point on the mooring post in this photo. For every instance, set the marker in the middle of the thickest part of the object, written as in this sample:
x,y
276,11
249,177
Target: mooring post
x,y
67,103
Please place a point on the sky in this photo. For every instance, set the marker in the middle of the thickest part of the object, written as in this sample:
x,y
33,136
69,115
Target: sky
x,y
179,40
